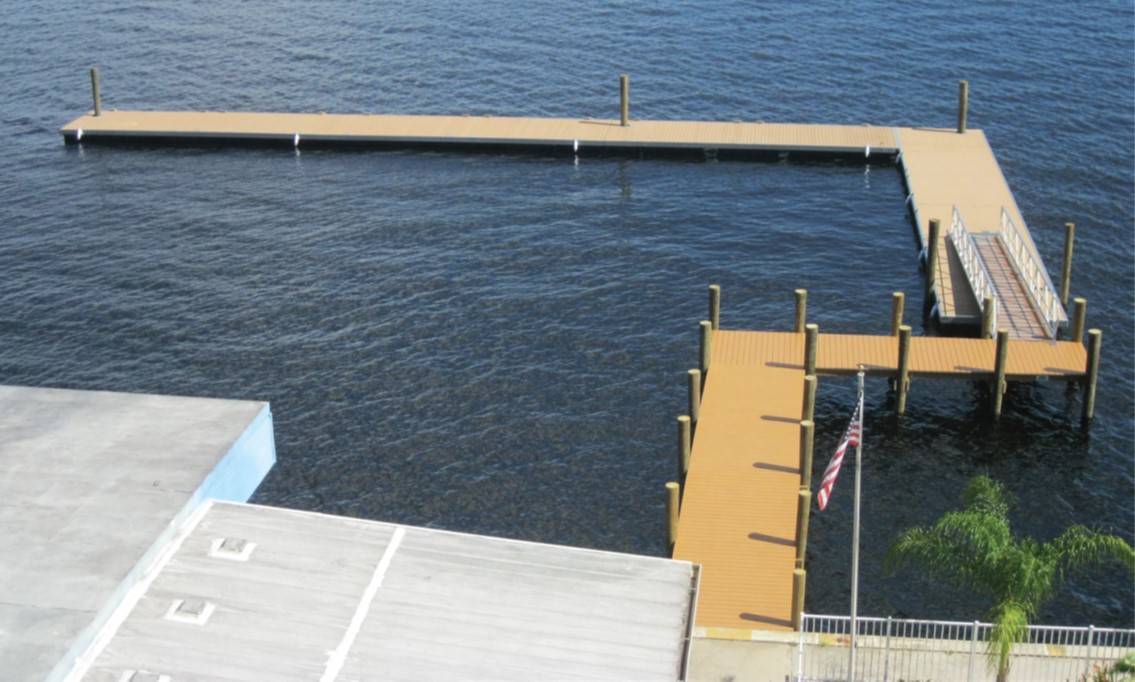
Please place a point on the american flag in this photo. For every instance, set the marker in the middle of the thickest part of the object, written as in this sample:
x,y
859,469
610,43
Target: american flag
x,y
851,437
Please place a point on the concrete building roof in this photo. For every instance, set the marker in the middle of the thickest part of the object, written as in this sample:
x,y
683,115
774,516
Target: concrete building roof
x,y
258,593
93,487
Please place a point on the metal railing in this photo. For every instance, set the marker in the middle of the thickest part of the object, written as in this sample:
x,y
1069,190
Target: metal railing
x,y
892,649
977,274
1029,266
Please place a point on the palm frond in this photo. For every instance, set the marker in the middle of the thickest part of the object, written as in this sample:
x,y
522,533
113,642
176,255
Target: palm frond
x,y
968,549
982,493
1080,547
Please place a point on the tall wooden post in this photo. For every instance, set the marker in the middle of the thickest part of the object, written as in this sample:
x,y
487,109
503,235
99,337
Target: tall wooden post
x,y
988,312
808,409
624,100
811,338
801,310
1066,270
693,382
999,370
671,515
706,347
933,232
1091,374
1079,314
963,105
799,578
715,306
807,441
902,384
685,444
95,92
898,301
803,511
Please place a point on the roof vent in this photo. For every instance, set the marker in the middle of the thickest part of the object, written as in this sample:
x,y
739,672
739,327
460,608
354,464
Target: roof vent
x,y
235,549
195,611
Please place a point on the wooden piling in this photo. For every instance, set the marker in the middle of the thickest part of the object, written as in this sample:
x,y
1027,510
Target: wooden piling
x,y
1066,269
685,445
999,364
96,94
671,515
799,578
963,105
693,383
803,511
706,346
902,383
1079,314
808,409
807,441
898,301
811,338
715,306
1091,374
933,231
801,310
624,100
988,312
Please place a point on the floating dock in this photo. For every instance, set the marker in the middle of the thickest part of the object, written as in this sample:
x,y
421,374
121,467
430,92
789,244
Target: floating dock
x,y
984,248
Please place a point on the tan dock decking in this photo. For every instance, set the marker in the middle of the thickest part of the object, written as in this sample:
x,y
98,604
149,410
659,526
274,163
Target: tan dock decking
x,y
943,169
486,130
738,515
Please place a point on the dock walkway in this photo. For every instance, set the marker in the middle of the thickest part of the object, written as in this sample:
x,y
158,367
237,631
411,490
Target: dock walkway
x,y
955,179
738,515
948,174
563,134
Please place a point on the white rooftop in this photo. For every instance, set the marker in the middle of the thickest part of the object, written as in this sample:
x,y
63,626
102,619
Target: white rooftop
x,y
258,593
93,486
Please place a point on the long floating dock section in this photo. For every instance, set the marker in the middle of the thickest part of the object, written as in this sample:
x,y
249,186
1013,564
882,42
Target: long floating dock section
x,y
568,135
740,502
953,178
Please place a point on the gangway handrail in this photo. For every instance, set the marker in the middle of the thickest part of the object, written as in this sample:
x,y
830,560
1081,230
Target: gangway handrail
x,y
977,274
1032,271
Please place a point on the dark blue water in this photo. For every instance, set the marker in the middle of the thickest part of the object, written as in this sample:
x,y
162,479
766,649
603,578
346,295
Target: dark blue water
x,y
498,344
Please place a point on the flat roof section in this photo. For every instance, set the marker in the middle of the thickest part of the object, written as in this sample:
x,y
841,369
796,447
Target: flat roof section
x,y
92,486
260,593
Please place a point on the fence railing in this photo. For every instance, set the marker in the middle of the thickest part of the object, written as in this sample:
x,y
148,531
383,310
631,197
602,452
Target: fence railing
x,y
892,649
976,272
1029,266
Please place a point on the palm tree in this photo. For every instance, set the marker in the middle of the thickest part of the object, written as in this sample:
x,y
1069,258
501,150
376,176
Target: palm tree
x,y
974,549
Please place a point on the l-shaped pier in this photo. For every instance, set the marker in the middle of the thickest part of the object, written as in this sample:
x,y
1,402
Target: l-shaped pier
x,y
740,518
981,262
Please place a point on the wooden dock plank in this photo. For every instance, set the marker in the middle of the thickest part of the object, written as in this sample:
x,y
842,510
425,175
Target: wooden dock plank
x,y
485,129
739,513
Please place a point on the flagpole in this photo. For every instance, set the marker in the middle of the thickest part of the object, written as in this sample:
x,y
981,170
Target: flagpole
x,y
855,537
